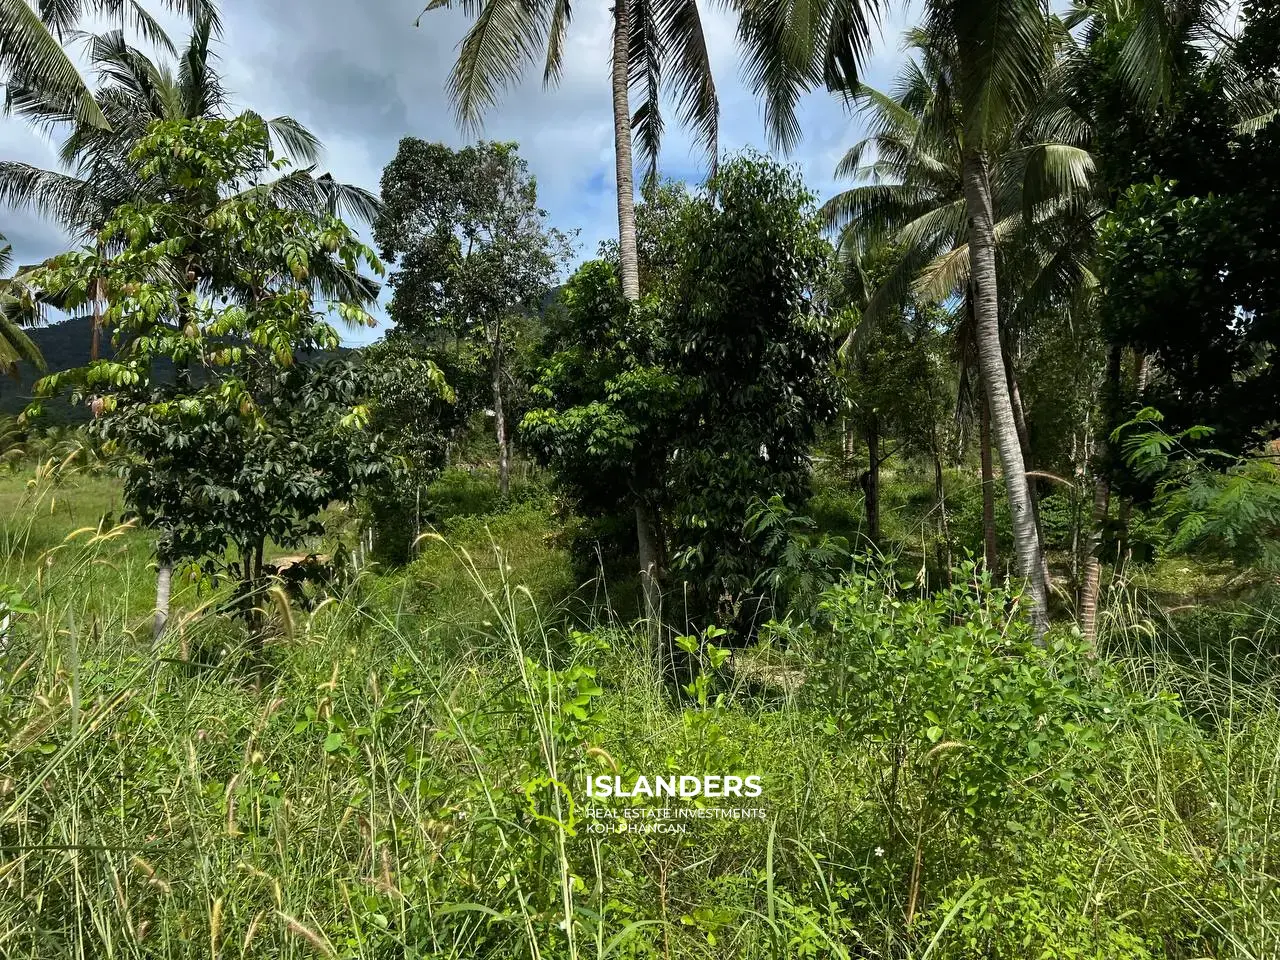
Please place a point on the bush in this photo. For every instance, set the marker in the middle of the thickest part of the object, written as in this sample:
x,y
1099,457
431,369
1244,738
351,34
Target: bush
x,y
954,693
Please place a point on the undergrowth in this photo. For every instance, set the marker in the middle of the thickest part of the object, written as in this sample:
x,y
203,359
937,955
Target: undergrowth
x,y
401,773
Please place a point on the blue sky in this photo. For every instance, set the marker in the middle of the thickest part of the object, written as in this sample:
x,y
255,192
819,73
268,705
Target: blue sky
x,y
362,76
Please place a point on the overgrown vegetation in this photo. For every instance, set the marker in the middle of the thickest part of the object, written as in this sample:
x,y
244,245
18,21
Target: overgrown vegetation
x,y
891,576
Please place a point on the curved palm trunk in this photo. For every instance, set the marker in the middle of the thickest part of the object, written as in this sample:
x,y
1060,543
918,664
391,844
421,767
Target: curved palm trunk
x,y
629,275
1027,546
1028,459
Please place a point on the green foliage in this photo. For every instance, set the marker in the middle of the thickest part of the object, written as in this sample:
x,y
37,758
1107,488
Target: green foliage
x,y
955,690
466,231
1208,500
748,324
254,438
253,817
1189,281
808,560
475,261
415,410
609,403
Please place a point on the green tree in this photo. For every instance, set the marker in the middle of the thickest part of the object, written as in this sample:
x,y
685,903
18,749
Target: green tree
x,y
474,253
893,382
608,406
18,303
749,323
99,174
414,409
258,433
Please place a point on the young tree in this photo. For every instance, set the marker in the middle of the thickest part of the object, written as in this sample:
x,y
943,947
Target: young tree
x,y
256,435
610,406
750,329
415,410
893,383
474,252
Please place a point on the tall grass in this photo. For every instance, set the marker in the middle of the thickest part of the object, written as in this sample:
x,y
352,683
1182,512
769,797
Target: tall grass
x,y
393,777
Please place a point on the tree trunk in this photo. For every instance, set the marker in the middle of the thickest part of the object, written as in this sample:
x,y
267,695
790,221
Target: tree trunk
x,y
164,582
95,344
990,554
1028,460
871,484
629,275
1090,585
1141,371
1026,538
500,421
628,259
647,542
940,501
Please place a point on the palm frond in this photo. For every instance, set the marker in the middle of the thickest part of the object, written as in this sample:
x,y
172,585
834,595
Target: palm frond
x,y
561,14
687,69
32,56
644,74
505,35
299,143
67,200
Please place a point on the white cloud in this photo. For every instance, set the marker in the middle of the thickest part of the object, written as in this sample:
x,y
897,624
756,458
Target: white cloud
x,y
362,76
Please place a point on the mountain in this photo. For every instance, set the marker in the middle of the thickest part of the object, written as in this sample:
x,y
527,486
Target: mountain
x,y
65,345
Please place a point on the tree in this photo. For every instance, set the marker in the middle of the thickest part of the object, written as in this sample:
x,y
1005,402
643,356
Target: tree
x,y
608,405
258,433
18,302
99,174
657,45
749,323
414,409
892,382
930,149
1196,138
474,252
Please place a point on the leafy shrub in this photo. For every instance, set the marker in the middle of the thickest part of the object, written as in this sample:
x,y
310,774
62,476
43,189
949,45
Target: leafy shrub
x,y
954,691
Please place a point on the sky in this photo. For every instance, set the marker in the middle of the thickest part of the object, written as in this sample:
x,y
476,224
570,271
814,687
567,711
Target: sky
x,y
360,75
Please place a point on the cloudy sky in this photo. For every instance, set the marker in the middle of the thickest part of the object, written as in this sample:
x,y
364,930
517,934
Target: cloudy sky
x,y
360,75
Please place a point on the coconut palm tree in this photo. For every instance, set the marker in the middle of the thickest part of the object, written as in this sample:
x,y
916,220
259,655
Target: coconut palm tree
x,y
18,307
658,45
32,37
913,196
135,93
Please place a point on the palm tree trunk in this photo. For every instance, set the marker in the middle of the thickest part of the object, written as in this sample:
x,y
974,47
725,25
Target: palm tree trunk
x,y
164,583
647,544
1028,460
95,344
871,485
1090,585
990,553
628,259
629,275
1026,538
500,421
940,503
